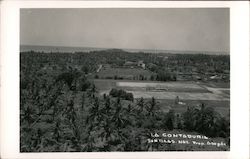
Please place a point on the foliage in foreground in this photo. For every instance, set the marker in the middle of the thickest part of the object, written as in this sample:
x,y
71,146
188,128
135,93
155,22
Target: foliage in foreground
x,y
64,113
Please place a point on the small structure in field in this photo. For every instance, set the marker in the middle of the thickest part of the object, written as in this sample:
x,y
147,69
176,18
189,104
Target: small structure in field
x,y
141,64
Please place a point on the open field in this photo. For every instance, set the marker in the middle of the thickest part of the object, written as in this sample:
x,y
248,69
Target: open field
x,y
165,90
159,84
189,93
155,86
182,95
217,84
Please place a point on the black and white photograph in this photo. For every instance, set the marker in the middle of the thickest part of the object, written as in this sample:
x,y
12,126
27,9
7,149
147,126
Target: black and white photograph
x,y
124,79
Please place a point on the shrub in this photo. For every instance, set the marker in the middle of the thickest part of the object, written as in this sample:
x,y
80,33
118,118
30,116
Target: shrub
x,y
121,93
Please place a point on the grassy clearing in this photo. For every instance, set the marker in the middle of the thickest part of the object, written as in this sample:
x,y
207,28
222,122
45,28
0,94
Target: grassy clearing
x,y
219,100
160,84
185,90
131,85
226,92
166,86
217,84
183,95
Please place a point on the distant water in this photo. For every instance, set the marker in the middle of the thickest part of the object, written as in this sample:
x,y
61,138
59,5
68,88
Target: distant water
x,y
48,49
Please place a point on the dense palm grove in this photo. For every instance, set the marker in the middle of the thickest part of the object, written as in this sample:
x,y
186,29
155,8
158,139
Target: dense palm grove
x,y
61,110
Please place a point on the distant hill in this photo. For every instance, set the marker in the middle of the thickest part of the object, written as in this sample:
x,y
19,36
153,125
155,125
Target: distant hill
x,y
48,49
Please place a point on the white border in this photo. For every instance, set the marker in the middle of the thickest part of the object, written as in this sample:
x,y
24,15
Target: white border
x,y
239,51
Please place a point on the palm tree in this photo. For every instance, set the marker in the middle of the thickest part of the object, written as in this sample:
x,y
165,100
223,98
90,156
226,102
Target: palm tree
x,y
107,105
91,92
37,139
169,124
93,89
118,105
152,106
57,131
206,120
106,134
55,111
190,118
129,108
95,113
70,112
28,115
141,103
83,100
104,96
90,144
117,117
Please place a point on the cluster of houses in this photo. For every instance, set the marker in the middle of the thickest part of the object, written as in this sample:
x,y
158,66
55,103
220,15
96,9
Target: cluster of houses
x,y
131,64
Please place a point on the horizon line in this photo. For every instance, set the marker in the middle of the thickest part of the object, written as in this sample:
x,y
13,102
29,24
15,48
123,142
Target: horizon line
x,y
148,49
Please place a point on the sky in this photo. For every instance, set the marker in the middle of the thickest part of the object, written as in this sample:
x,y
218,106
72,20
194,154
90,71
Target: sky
x,y
199,29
